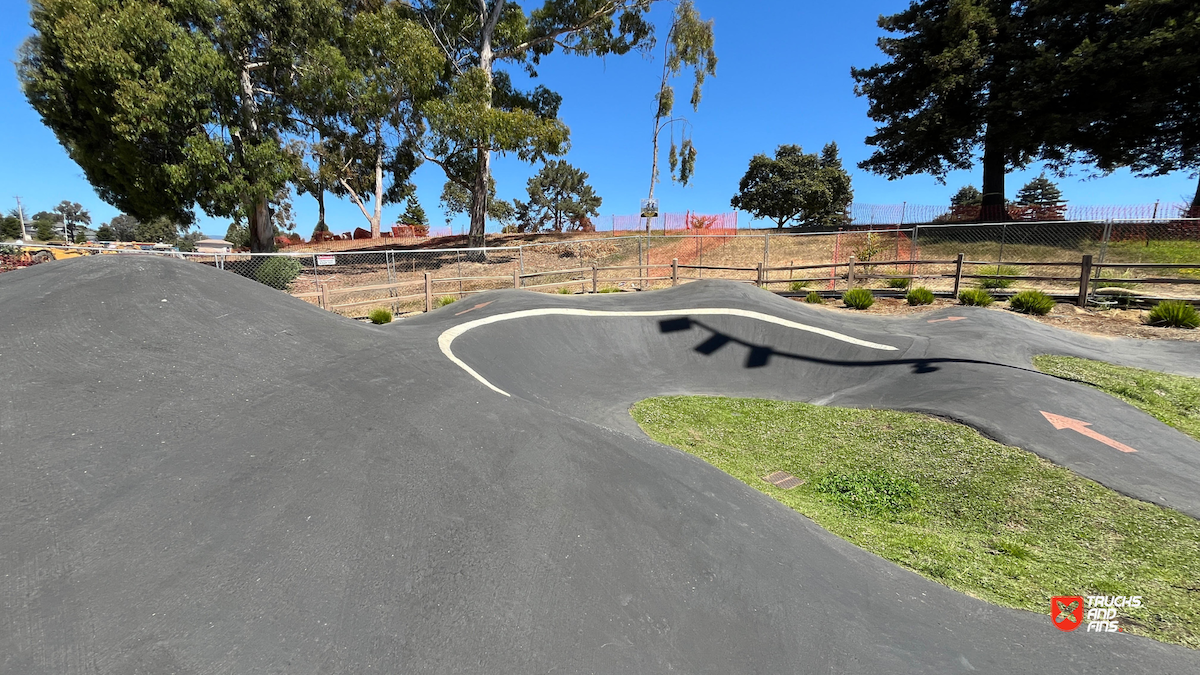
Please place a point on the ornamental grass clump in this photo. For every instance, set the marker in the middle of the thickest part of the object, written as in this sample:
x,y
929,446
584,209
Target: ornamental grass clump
x,y
999,270
858,298
1031,302
380,316
814,298
1174,314
976,297
919,296
444,300
798,286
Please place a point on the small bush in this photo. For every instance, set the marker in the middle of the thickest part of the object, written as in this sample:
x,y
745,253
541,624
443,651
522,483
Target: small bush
x,y
1174,314
278,272
919,296
798,286
1002,270
563,290
610,289
1031,302
895,282
858,298
871,491
815,298
976,297
380,315
444,300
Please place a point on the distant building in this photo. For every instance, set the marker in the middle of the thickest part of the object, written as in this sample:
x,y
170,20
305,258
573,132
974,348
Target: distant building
x,y
214,246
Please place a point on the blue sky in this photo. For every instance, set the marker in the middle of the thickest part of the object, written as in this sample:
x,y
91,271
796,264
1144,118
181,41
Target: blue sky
x,y
783,77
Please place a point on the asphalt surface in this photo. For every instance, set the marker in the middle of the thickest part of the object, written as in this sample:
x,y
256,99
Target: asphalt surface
x,y
201,475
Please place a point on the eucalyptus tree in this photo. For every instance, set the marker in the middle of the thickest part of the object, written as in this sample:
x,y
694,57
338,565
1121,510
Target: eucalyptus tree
x,y
689,44
169,106
480,112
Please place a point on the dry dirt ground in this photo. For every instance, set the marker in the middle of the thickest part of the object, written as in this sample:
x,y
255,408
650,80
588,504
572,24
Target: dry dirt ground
x,y
1104,322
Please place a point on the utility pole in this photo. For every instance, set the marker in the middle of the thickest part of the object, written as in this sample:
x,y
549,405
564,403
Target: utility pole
x,y
21,216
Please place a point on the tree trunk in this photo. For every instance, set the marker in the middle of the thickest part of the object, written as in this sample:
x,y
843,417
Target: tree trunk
x,y
1194,212
994,166
262,232
377,217
321,207
483,174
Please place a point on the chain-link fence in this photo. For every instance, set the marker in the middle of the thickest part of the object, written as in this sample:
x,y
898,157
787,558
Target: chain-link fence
x,y
1121,259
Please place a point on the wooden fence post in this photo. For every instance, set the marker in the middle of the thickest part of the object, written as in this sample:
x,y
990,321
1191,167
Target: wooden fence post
x,y
958,273
428,292
595,279
850,274
674,271
516,278
1085,273
324,296
758,281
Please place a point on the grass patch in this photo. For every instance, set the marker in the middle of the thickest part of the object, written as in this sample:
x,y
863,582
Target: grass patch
x,y
444,300
380,316
814,298
563,290
919,296
1031,302
858,298
1174,252
1173,400
610,289
975,297
798,286
1000,270
990,520
895,282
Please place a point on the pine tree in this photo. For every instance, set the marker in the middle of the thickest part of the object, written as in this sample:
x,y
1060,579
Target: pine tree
x,y
1040,191
967,195
559,197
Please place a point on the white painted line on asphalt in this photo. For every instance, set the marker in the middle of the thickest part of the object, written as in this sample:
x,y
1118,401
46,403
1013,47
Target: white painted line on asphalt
x,y
446,339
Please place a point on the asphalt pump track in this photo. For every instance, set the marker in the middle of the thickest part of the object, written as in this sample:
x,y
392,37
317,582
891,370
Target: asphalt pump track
x,y
199,474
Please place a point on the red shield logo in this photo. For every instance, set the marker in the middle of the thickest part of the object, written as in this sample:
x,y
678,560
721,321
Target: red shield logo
x,y
1067,611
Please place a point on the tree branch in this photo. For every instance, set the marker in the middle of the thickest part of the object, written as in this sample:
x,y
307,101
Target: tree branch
x,y
553,36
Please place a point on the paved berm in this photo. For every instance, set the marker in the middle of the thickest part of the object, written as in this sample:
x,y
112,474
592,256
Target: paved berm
x,y
199,474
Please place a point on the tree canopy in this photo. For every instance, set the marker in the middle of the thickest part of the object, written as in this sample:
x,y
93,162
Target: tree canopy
x,y
967,195
1040,191
559,198
72,215
793,186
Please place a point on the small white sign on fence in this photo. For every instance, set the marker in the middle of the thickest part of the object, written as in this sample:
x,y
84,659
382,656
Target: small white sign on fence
x,y
326,260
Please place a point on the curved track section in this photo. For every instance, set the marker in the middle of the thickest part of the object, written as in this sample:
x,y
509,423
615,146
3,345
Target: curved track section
x,y
198,475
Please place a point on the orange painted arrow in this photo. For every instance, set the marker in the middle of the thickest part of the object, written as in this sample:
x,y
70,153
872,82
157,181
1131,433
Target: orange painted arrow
x,y
482,304
949,318
1061,422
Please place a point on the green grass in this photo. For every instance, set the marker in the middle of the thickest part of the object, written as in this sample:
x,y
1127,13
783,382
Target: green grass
x,y
1173,400
814,298
1165,251
563,290
444,300
798,286
993,521
610,289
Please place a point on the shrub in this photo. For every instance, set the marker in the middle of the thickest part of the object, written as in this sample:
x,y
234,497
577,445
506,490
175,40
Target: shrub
x,y
610,289
814,298
798,286
1002,270
919,296
563,290
278,272
895,282
976,297
1031,302
444,300
380,315
858,298
872,491
1174,314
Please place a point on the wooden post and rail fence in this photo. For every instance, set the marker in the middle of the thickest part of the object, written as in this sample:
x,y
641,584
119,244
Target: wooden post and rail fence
x,y
853,271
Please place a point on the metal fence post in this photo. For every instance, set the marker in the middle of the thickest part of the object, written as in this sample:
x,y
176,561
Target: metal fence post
x,y
521,259
316,271
595,279
674,271
1105,238
958,273
1085,272
642,270
850,272
1003,237
428,292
